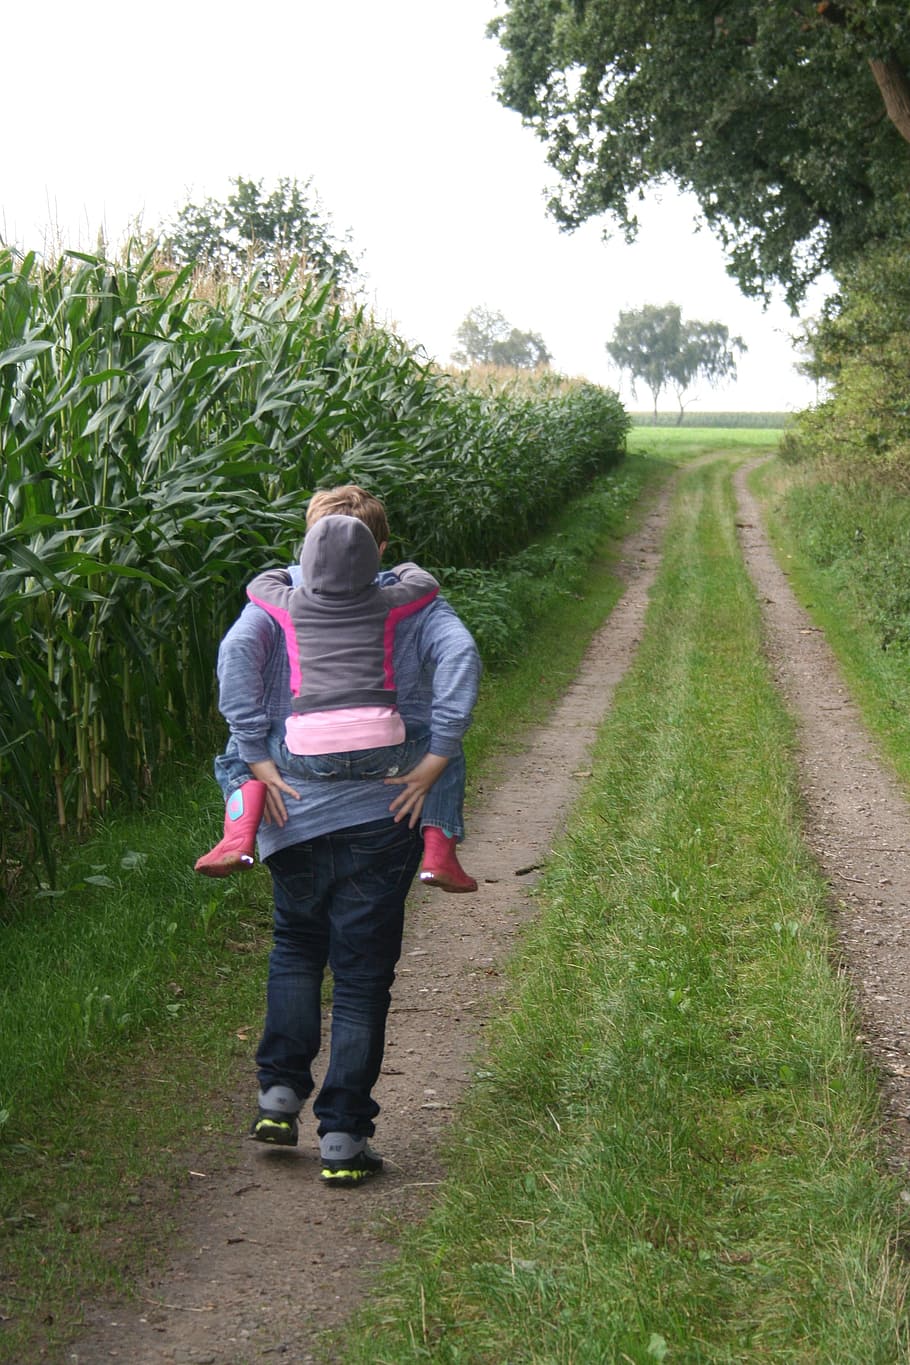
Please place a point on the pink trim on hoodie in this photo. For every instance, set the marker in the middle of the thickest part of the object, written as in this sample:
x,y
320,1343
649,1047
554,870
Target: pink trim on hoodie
x,y
395,615
283,617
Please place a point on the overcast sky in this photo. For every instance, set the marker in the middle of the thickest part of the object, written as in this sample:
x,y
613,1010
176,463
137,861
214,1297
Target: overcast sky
x,y
118,112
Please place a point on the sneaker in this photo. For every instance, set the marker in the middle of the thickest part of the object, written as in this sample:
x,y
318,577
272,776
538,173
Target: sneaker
x,y
347,1160
278,1129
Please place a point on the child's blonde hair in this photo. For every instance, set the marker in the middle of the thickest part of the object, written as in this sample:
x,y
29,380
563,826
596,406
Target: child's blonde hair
x,y
349,500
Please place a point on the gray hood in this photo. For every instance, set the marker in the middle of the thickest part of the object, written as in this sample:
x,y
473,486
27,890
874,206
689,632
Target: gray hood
x,y
339,557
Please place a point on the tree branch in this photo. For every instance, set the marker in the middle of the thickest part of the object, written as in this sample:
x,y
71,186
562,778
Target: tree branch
x,y
889,74
891,79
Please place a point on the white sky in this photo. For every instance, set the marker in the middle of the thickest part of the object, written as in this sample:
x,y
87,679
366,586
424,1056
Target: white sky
x,y
116,112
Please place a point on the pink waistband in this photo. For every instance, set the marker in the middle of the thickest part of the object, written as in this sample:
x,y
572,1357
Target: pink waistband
x,y
347,729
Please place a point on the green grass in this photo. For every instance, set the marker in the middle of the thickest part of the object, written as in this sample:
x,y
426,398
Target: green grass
x,y
687,443
129,1012
669,1151
130,1003
845,548
561,611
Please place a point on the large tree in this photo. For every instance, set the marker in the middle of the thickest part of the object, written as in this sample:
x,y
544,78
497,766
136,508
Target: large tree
x,y
788,119
487,338
655,347
253,227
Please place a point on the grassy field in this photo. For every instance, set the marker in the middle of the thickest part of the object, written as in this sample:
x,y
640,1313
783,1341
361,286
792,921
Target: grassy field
x,y
671,1152
685,443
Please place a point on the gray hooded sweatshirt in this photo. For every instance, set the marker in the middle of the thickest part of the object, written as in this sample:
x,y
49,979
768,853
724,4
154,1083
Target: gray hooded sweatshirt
x,y
339,629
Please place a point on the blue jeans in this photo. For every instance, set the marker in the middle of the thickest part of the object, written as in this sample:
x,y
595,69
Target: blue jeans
x,y
339,899
444,804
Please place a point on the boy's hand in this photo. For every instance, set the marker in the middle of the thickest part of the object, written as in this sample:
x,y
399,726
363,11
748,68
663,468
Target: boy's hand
x,y
416,784
275,811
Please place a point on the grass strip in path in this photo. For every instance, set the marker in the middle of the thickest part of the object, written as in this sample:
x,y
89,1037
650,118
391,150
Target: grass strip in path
x,y
670,1151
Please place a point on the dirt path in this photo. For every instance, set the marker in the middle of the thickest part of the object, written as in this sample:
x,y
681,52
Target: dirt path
x,y
272,1257
857,822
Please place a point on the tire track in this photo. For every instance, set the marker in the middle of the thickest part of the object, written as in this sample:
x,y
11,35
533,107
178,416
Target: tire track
x,y
857,821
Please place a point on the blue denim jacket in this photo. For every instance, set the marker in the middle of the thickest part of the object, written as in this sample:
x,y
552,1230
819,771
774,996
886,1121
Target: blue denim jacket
x,y
437,672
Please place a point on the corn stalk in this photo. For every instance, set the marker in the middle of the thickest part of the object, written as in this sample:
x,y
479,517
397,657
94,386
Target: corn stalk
x,y
158,447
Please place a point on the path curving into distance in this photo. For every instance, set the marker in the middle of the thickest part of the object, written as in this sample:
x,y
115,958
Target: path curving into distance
x,y
856,820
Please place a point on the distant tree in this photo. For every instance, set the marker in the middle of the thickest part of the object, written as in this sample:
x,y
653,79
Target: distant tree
x,y
486,338
522,351
708,353
656,348
645,343
254,228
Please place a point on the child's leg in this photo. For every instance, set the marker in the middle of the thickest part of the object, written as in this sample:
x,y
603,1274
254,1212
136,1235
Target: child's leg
x,y
440,866
444,804
442,817
442,827
230,770
242,814
245,800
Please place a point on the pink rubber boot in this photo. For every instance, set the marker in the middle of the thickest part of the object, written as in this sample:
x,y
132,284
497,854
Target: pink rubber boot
x,y
235,852
440,862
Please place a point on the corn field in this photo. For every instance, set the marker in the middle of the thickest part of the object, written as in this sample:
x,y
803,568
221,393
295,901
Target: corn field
x,y
158,448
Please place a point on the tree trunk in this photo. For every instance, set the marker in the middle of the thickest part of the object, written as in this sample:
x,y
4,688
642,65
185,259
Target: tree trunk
x,y
890,75
891,79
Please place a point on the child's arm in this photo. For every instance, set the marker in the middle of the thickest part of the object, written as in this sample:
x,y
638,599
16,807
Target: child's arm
x,y
250,668
271,589
414,587
413,573
445,644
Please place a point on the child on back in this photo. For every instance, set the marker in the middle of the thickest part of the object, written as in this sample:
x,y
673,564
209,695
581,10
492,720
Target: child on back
x,y
339,628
